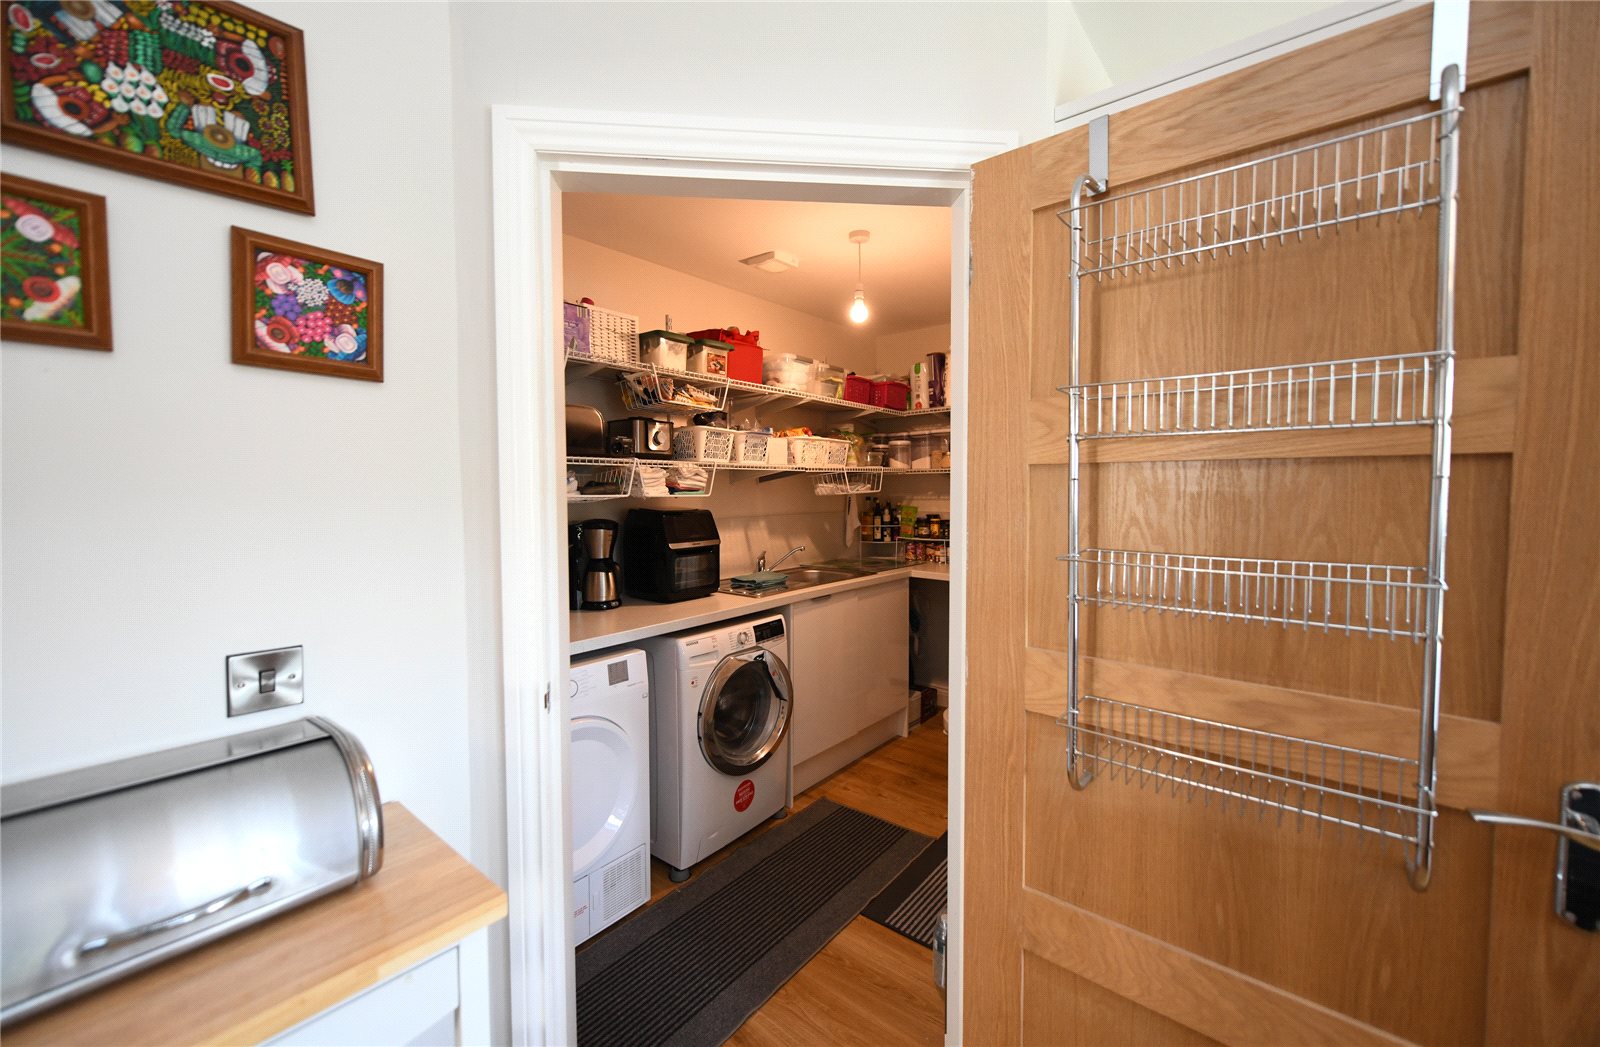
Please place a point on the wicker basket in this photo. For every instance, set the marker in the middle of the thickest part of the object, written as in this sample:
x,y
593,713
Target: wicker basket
x,y
613,336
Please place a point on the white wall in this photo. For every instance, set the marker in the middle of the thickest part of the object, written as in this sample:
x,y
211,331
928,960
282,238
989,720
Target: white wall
x,y
897,352
627,284
164,507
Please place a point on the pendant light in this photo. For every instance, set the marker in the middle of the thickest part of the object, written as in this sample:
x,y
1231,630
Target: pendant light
x,y
858,304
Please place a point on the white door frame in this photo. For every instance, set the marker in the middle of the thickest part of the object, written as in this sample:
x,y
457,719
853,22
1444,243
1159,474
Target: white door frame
x,y
536,153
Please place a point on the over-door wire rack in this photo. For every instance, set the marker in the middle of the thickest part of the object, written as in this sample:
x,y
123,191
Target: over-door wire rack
x,y
1399,167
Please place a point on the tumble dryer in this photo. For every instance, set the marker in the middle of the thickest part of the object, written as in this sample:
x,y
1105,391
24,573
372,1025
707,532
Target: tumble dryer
x,y
610,760
719,736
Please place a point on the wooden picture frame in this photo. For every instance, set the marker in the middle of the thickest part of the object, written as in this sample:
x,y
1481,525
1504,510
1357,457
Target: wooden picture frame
x,y
209,95
302,308
57,237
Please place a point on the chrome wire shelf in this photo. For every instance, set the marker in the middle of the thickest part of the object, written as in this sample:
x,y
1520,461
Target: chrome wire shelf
x,y
1403,166
1388,170
1365,393
1368,599
1260,771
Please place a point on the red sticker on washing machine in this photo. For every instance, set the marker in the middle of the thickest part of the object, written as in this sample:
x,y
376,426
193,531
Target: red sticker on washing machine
x,y
744,796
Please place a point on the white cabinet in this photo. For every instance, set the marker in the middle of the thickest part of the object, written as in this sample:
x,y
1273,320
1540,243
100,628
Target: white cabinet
x,y
416,1008
848,657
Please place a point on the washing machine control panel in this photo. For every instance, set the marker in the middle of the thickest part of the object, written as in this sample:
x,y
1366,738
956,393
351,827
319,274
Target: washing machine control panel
x,y
743,638
769,630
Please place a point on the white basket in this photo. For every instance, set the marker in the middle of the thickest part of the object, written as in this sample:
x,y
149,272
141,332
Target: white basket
x,y
702,443
750,448
866,481
817,452
613,336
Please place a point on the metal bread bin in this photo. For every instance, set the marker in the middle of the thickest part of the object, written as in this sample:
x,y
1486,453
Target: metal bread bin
x,y
112,868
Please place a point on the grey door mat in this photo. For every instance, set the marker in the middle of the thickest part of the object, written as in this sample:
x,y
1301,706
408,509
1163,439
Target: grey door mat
x,y
912,903
691,968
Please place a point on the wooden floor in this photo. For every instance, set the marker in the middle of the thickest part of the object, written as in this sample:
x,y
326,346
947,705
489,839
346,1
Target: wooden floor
x,y
869,985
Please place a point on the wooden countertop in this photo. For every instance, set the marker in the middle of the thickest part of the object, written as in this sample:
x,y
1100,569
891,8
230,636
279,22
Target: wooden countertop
x,y
641,619
263,981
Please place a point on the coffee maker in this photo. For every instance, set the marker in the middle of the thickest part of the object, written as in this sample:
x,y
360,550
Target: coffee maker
x,y
599,585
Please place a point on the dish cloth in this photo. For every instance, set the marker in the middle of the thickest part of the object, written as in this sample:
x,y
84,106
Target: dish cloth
x,y
760,580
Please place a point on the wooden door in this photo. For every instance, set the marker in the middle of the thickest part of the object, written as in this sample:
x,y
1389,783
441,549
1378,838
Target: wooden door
x,y
1124,914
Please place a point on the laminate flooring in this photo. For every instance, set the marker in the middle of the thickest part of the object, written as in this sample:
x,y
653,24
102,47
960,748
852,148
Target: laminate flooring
x,y
869,985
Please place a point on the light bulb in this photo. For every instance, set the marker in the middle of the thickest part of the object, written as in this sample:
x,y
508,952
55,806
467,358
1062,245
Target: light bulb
x,y
858,308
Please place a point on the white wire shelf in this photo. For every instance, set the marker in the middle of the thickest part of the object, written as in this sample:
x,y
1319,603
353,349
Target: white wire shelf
x,y
852,480
1365,393
580,365
1388,170
918,472
1262,772
601,479
1365,599
666,466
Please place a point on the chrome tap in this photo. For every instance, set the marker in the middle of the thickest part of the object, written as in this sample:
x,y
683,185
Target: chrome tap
x,y
761,561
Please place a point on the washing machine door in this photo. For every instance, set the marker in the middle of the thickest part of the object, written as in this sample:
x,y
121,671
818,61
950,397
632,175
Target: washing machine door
x,y
744,712
604,787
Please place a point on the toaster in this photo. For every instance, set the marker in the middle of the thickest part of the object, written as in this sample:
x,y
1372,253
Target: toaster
x,y
586,432
639,438
112,868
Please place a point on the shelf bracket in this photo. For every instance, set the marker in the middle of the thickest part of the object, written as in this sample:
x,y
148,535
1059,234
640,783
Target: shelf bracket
x,y
1450,19
1100,148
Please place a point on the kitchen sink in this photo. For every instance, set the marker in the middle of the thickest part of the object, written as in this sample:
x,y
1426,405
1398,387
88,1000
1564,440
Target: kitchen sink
x,y
799,576
803,576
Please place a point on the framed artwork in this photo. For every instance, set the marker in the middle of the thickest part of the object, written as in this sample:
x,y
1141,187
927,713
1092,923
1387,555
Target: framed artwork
x,y
55,282
210,95
302,308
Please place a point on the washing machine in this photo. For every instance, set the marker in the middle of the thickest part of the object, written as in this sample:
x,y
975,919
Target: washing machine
x,y
719,736
610,759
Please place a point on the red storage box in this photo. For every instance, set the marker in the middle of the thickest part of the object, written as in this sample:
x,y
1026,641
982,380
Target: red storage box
x,y
744,351
857,389
893,395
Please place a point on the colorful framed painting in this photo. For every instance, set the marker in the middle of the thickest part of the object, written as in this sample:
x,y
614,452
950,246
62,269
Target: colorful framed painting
x,y
210,95
301,308
55,282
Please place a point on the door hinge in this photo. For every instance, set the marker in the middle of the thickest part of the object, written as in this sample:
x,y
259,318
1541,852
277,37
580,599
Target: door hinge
x,y
969,269
547,698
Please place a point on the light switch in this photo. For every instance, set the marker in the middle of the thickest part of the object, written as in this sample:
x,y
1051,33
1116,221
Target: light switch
x,y
264,680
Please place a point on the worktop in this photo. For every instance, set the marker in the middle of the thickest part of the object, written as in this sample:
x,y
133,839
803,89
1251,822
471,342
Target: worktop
x,y
641,619
254,985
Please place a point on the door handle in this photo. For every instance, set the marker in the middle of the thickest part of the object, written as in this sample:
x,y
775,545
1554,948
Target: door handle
x,y
210,908
1577,868
1584,829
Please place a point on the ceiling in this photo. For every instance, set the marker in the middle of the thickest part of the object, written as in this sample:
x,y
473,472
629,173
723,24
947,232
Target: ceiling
x,y
905,266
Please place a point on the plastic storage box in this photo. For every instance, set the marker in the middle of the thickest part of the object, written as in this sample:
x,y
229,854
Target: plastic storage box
x,y
857,389
750,448
613,336
744,351
891,394
702,443
665,349
708,358
788,371
813,452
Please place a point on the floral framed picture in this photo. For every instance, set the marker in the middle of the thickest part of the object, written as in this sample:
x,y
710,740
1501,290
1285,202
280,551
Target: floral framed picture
x,y
55,281
303,308
210,95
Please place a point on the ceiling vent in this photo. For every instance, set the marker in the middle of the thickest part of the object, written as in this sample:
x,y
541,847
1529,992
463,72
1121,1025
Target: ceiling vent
x,y
773,261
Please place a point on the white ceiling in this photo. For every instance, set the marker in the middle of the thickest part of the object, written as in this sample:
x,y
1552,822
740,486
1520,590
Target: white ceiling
x,y
905,266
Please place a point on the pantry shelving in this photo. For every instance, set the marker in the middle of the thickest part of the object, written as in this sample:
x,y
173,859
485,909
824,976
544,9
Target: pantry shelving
x,y
732,394
1404,166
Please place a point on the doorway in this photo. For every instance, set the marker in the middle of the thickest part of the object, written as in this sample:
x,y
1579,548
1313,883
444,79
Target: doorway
x,y
538,156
